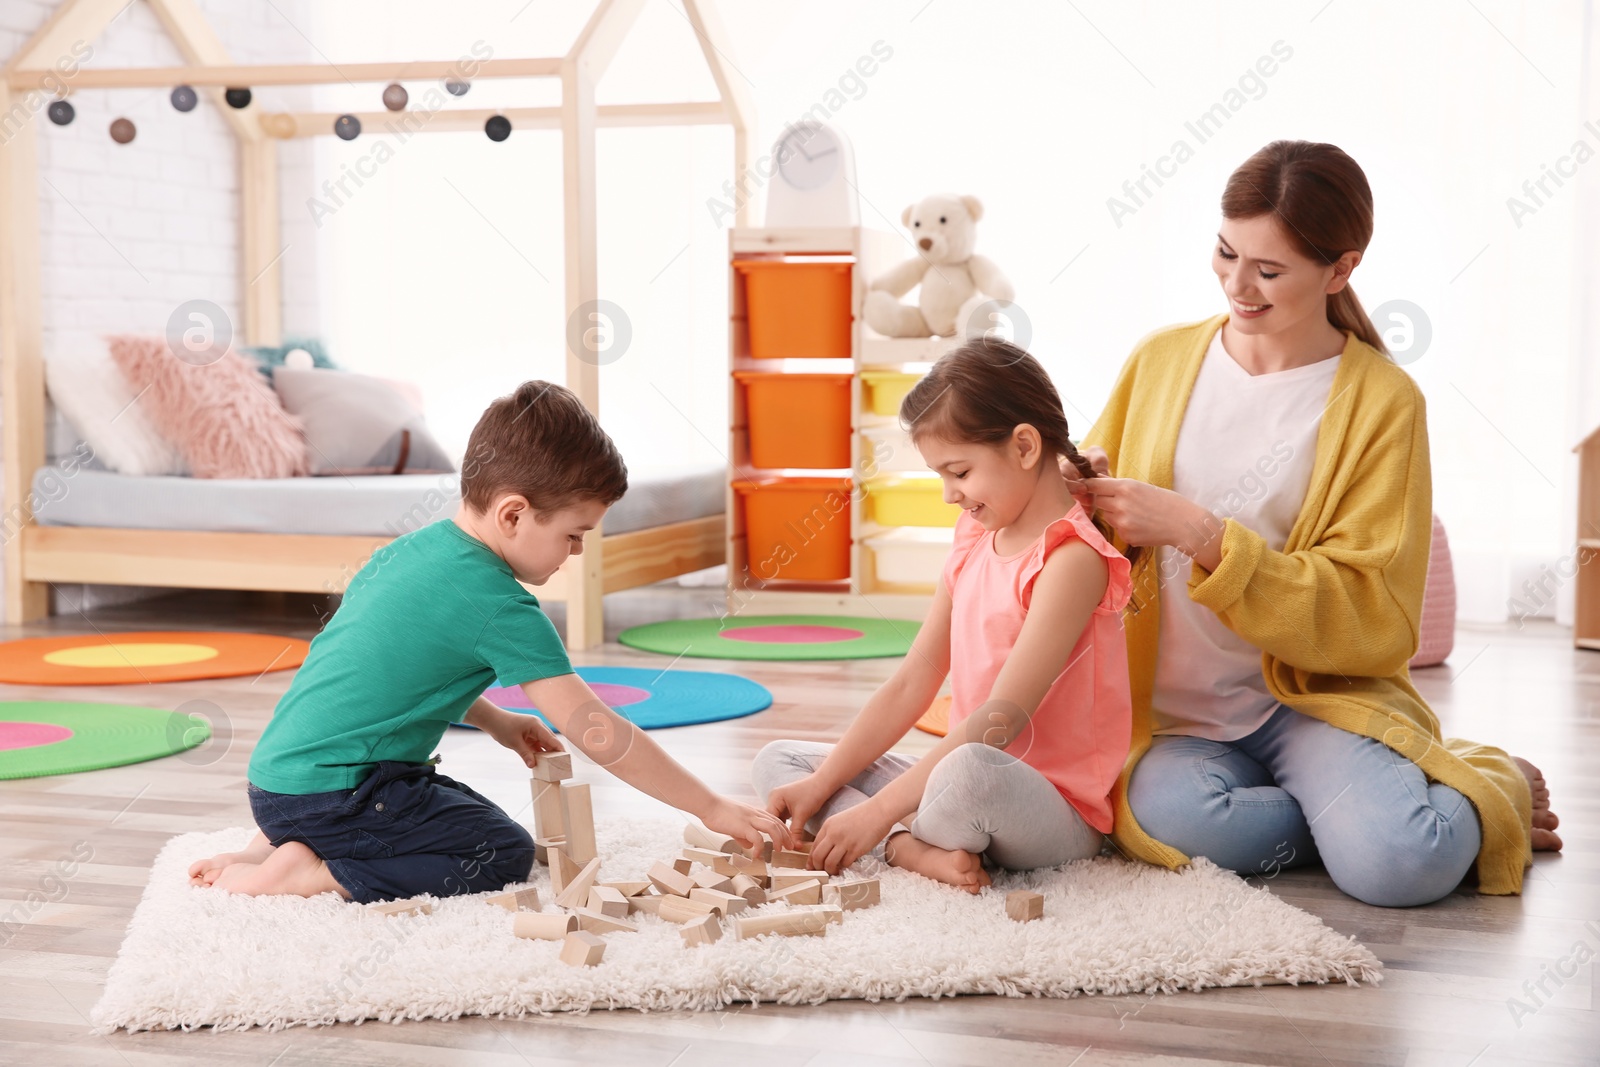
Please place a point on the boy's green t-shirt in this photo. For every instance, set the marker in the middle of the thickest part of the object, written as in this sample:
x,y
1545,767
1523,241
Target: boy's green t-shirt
x,y
431,621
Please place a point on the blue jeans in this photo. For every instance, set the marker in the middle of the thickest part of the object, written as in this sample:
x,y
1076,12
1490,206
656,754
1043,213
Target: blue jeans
x,y
1298,790
404,831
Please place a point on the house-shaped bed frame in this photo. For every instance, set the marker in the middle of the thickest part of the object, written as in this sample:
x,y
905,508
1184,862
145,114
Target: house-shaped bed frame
x,y
36,556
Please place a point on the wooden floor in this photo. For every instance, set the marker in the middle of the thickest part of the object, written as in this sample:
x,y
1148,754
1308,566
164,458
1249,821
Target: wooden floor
x,y
1452,968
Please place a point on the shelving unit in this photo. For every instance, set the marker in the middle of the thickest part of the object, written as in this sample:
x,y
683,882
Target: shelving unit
x,y
1586,621
878,449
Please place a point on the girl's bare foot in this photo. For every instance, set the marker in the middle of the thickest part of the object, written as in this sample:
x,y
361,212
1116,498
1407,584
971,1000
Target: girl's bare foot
x,y
964,870
204,872
291,870
1545,821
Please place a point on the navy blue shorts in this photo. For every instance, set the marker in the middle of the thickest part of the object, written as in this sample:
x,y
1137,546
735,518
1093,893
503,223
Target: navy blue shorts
x,y
404,831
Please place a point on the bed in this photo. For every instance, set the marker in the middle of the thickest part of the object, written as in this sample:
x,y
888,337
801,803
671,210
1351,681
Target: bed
x,y
97,527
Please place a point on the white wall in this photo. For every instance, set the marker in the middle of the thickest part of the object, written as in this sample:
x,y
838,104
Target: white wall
x,y
1044,110
129,232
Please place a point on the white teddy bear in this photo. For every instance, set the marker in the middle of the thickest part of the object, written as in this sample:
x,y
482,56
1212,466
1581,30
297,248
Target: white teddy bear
x,y
954,282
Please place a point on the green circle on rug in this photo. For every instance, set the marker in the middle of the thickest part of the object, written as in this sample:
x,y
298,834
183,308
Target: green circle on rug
x,y
40,737
776,637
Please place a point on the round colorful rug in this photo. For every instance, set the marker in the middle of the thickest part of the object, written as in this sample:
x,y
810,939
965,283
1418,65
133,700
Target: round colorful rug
x,y
149,656
652,699
40,737
776,637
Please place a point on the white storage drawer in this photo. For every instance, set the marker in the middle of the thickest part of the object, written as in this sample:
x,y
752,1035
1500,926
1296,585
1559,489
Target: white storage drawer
x,y
891,448
910,555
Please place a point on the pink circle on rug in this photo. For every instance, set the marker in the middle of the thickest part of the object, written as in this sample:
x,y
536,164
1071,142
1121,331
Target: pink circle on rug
x,y
793,634
615,696
30,734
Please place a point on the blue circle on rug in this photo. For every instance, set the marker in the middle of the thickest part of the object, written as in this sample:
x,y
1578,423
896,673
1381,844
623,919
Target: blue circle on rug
x,y
655,699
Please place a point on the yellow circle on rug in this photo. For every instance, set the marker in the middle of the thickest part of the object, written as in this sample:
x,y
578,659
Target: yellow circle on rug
x,y
141,656
120,655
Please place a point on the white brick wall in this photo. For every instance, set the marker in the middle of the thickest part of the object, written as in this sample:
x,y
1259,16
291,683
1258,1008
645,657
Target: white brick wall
x,y
129,232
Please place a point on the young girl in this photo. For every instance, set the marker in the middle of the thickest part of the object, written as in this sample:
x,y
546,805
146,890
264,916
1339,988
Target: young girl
x,y
1027,622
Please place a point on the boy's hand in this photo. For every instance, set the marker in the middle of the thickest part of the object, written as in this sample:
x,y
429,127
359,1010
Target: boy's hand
x,y
848,836
526,735
745,823
797,801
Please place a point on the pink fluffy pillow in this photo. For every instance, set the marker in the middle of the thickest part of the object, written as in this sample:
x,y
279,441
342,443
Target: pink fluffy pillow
x,y
224,417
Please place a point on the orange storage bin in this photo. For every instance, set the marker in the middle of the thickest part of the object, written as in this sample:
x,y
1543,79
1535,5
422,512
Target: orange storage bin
x,y
797,420
796,528
797,310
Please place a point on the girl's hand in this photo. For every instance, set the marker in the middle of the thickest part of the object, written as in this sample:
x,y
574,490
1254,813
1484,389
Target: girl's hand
x,y
798,801
848,836
526,735
746,824
1145,514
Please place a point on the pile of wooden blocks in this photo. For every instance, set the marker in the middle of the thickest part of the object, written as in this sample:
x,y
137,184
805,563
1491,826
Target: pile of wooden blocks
x,y
713,881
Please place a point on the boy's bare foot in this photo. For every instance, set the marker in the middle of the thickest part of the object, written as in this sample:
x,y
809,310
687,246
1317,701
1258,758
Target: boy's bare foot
x,y
204,872
1545,821
964,870
291,870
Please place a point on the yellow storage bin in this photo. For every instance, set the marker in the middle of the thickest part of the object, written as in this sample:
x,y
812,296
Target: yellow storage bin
x,y
882,390
908,500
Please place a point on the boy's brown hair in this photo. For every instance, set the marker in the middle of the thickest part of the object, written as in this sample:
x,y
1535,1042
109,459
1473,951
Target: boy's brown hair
x,y
543,443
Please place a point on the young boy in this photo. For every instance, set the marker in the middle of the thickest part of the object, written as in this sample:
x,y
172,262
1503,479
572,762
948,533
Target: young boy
x,y
341,784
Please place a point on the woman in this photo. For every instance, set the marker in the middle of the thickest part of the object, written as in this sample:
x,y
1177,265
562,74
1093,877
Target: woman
x,y
1277,459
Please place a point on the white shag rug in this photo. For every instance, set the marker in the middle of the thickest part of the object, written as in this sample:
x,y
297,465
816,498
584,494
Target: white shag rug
x,y
203,958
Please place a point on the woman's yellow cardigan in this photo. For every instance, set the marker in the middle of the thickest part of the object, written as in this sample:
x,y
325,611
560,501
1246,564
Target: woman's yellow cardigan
x,y
1335,614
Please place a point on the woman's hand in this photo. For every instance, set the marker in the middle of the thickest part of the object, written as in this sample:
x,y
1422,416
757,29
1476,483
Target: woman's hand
x,y
526,735
746,824
797,801
1144,514
848,836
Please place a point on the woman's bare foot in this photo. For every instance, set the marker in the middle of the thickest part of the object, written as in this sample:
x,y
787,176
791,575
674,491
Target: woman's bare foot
x,y
204,872
1545,821
964,870
291,870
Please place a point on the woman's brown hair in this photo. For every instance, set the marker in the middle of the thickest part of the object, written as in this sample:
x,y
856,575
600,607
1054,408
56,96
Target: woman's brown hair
x,y
1324,203
981,391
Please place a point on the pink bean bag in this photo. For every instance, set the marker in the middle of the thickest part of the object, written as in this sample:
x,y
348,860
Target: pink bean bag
x,y
1438,626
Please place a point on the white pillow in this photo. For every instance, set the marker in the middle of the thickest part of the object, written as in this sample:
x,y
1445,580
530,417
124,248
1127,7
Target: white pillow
x,y
91,392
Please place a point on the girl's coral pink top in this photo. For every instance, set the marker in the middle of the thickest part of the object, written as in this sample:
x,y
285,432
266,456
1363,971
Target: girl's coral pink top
x,y
1079,735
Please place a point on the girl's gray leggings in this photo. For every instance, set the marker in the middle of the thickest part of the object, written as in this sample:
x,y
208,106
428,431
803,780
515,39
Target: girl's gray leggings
x,y
978,799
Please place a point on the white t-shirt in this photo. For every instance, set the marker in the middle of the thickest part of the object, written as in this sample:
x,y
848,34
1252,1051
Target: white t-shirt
x,y
1244,452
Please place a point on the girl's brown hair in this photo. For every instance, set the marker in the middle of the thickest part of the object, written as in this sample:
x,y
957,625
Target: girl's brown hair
x,y
983,390
1323,200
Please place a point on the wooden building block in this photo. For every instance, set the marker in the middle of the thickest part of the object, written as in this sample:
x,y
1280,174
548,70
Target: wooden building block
x,y
808,892
1024,906
682,909
756,870
712,880
549,810
746,887
645,902
562,869
552,766
551,926
783,857
576,893
670,880
681,865
628,889
831,913
717,861
598,923
517,900
725,903
582,949
412,906
608,901
852,895
802,922
784,877
697,836
701,931
580,821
